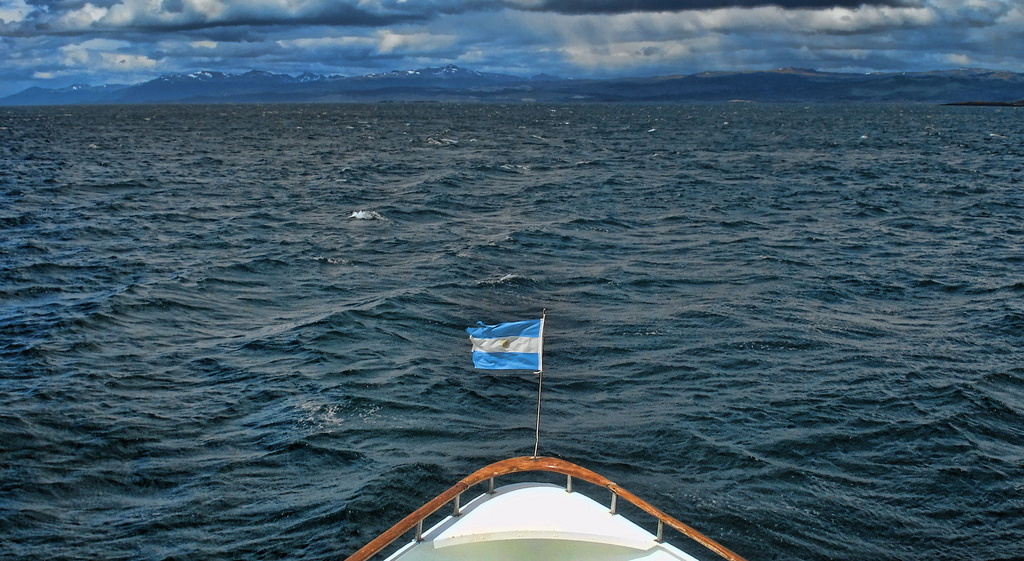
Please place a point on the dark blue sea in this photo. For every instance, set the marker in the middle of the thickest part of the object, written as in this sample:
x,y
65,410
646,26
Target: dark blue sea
x,y
238,332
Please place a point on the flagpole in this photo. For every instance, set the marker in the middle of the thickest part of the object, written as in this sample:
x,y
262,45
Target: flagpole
x,y
540,382
536,438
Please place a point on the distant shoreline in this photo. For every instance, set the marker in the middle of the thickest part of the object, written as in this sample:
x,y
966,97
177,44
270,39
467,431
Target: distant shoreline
x,y
990,103
452,83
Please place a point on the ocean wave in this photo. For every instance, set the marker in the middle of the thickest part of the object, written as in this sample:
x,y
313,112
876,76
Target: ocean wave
x,y
366,215
505,279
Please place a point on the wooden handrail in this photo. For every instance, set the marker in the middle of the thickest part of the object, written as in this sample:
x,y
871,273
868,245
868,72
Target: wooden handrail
x,y
526,464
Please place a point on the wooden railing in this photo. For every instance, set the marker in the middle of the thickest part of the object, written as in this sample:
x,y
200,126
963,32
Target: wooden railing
x,y
526,464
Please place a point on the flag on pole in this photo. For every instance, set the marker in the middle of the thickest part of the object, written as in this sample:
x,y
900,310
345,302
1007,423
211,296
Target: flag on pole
x,y
516,345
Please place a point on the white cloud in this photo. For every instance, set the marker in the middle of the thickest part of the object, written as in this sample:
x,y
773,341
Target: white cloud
x,y
123,62
14,11
80,19
129,12
634,54
766,19
390,42
157,13
326,43
730,37
958,59
105,54
78,54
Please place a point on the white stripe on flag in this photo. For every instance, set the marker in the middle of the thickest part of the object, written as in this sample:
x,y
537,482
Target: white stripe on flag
x,y
507,345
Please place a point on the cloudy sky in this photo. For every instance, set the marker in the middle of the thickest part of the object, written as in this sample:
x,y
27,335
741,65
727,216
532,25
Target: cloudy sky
x,y
56,43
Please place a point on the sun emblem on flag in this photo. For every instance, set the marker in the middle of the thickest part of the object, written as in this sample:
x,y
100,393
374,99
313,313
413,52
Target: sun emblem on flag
x,y
505,343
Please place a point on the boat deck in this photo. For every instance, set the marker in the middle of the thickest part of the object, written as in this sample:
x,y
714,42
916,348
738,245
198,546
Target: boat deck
x,y
537,521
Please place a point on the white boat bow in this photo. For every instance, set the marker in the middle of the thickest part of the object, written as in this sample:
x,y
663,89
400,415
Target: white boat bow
x,y
536,521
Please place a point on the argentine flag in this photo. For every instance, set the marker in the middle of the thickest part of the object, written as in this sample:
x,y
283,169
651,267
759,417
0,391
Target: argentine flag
x,y
515,345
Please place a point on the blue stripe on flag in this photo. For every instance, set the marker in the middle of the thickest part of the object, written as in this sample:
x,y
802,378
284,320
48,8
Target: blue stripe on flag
x,y
528,328
506,361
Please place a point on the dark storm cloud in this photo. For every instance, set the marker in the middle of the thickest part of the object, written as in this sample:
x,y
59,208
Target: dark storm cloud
x,y
176,15
628,6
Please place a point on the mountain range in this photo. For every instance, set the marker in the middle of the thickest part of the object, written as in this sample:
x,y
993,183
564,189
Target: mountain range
x,y
452,83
